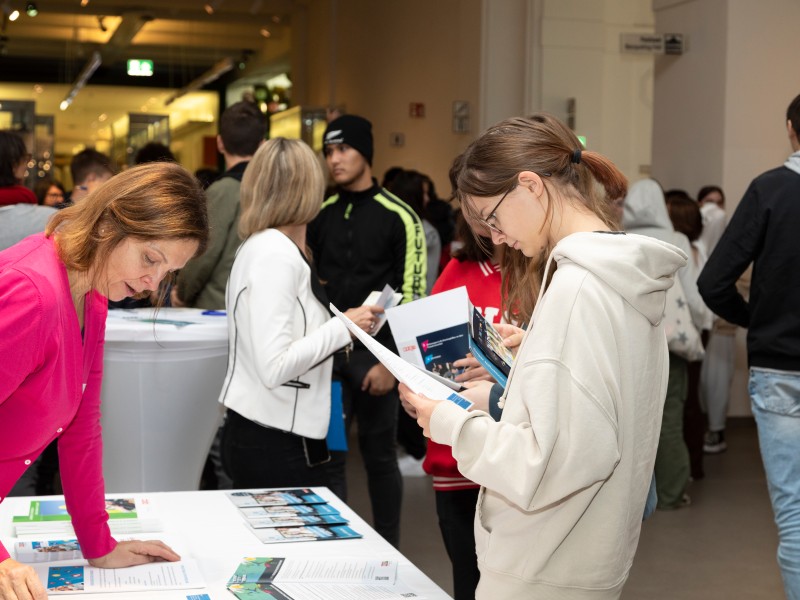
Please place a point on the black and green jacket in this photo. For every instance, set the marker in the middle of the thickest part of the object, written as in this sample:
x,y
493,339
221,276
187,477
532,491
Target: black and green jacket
x,y
363,240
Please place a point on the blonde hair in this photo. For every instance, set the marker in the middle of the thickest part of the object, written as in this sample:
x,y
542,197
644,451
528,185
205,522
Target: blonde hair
x,y
282,185
154,201
543,144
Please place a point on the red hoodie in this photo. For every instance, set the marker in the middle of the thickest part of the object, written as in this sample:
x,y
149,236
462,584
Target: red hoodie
x,y
482,280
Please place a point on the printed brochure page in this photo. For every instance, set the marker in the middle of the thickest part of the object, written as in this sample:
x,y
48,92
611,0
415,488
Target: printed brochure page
x,y
84,579
404,372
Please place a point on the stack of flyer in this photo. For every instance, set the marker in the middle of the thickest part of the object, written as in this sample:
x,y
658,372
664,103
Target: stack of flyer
x,y
291,515
259,578
126,515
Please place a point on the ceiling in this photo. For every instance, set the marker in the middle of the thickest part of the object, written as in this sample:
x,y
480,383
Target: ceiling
x,y
42,57
184,38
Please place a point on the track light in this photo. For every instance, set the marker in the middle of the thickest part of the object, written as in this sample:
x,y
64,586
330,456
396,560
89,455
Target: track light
x,y
88,70
31,10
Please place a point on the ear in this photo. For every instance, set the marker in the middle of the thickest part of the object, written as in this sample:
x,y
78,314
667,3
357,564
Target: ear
x,y
220,145
532,181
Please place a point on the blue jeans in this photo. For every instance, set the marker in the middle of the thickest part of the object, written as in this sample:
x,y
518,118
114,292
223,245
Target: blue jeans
x,y
775,399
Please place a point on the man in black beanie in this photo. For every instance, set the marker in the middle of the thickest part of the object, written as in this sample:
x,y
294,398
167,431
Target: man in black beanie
x,y
364,238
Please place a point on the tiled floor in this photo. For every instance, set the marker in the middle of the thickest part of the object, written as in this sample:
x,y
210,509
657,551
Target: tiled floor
x,y
722,547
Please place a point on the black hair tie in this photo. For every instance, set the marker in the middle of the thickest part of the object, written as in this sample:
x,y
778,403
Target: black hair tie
x,y
576,156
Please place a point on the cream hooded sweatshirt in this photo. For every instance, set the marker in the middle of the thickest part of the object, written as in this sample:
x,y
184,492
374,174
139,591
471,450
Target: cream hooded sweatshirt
x,y
567,468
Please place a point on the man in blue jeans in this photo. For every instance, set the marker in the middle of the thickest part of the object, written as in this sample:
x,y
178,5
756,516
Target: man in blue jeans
x,y
764,231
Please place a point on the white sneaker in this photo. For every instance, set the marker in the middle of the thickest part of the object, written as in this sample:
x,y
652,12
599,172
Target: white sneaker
x,y
410,466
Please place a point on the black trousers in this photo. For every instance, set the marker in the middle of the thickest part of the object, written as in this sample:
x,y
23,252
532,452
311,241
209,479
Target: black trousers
x,y
377,432
256,456
456,511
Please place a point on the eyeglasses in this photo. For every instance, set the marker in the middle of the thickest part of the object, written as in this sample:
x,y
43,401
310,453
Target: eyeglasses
x,y
493,216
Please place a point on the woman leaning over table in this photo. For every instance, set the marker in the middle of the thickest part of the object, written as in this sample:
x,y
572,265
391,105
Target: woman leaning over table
x,y
566,470
54,289
281,336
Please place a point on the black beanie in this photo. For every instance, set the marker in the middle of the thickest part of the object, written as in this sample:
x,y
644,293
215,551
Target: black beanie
x,y
352,130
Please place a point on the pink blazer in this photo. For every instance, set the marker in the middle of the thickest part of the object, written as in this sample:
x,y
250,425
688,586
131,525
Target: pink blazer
x,y
50,384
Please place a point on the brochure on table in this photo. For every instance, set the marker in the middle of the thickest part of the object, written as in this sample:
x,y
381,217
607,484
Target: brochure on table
x,y
126,515
415,379
433,332
80,578
291,515
318,578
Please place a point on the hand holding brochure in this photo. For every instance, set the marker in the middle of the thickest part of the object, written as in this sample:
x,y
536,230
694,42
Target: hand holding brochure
x,y
434,332
416,380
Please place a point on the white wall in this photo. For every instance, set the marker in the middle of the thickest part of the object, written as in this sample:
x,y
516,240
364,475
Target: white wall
x,y
375,58
720,109
578,46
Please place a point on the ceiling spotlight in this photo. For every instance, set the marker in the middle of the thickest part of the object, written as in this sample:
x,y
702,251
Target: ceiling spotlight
x,y
31,10
212,5
209,9
14,15
265,32
84,3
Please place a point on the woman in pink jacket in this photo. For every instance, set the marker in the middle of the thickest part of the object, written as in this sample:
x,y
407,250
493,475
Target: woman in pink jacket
x,y
54,288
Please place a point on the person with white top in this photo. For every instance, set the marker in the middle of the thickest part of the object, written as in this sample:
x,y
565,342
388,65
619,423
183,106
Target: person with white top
x,y
566,471
282,338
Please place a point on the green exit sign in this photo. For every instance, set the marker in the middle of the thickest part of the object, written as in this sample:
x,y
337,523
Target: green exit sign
x,y
140,68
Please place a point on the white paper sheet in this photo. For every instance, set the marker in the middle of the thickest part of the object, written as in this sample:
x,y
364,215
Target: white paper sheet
x,y
386,299
417,380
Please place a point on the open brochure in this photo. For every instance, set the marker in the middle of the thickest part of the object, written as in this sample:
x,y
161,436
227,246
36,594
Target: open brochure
x,y
318,578
84,579
415,379
434,332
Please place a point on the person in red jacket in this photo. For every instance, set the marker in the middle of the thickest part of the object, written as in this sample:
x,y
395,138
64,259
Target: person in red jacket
x,y
456,496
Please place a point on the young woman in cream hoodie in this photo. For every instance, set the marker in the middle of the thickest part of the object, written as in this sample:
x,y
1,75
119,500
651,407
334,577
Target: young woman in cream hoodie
x,y
566,470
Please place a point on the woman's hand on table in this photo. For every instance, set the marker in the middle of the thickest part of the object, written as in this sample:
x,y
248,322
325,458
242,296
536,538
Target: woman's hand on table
x,y
135,552
19,582
422,406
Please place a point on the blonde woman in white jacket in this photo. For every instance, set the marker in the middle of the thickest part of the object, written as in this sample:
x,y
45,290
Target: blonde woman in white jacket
x,y
566,470
282,338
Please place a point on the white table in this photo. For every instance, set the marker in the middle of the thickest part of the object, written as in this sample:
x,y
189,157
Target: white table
x,y
161,384
207,527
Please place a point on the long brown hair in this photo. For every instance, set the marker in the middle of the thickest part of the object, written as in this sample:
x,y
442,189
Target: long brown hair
x,y
150,202
543,144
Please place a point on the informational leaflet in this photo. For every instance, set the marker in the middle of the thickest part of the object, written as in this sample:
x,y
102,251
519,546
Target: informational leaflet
x,y
418,381
257,512
318,578
84,579
272,497
296,521
47,551
434,332
309,533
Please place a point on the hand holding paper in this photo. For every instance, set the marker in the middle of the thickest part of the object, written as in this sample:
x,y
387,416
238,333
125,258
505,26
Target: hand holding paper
x,y
416,380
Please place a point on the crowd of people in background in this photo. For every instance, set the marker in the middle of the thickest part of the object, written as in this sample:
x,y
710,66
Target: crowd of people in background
x,y
270,202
